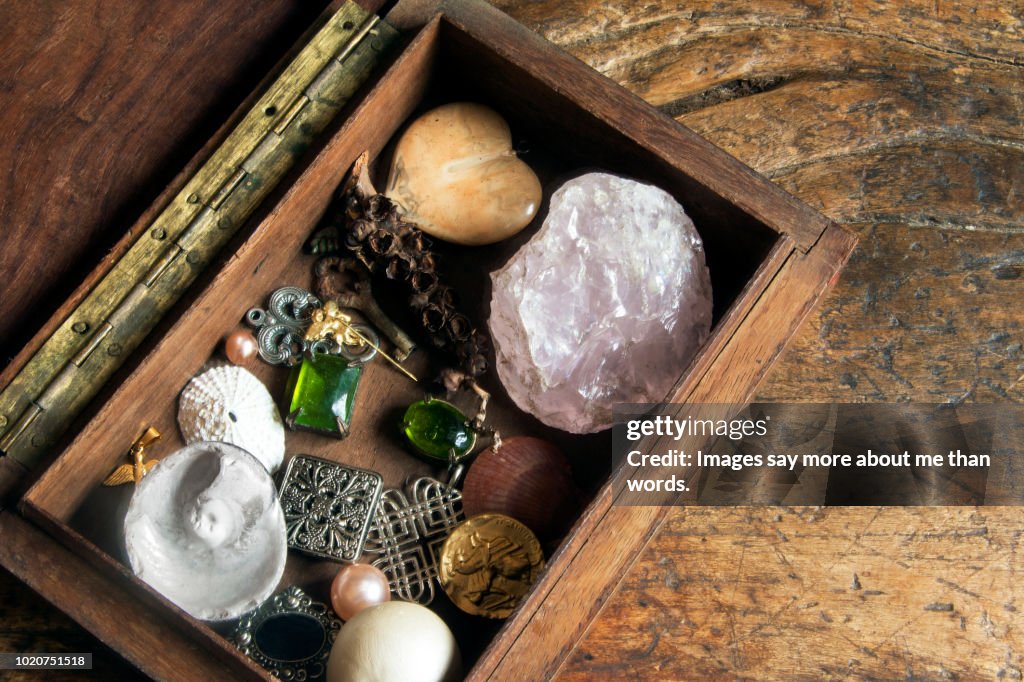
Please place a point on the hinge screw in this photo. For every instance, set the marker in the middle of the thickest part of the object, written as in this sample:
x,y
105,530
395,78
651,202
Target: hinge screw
x,y
224,222
114,349
80,327
193,198
158,233
3,421
192,257
37,440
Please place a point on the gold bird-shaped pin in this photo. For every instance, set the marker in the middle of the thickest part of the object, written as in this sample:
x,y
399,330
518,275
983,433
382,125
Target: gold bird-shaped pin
x,y
134,471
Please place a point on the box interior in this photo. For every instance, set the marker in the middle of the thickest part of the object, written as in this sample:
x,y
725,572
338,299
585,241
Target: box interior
x,y
556,136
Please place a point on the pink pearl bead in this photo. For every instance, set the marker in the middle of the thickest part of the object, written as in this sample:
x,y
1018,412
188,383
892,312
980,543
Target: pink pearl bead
x,y
240,347
356,587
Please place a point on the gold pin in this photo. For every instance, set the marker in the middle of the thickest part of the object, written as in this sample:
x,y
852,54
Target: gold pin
x,y
387,357
325,325
126,473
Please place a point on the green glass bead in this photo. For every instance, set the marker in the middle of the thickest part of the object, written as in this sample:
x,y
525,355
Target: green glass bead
x,y
323,394
434,427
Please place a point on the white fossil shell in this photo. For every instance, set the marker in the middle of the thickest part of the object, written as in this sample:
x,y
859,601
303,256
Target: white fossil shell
x,y
206,530
230,405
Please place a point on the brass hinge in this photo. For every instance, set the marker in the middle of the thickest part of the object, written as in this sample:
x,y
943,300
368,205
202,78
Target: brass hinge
x,y
115,316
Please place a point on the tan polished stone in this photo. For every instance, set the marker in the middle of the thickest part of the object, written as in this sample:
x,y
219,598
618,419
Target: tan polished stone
x,y
456,175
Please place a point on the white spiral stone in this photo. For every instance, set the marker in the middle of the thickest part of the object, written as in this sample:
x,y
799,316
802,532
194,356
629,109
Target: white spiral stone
x,y
206,530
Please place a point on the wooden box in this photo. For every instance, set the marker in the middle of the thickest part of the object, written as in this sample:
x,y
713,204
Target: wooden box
x,y
770,256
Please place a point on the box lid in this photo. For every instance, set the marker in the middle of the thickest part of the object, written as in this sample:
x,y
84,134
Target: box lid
x,y
103,107
90,333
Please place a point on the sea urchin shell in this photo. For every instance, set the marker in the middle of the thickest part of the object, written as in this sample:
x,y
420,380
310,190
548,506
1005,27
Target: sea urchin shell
x,y
230,405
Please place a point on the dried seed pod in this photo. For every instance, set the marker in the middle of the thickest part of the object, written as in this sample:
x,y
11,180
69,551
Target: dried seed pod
x,y
419,243
446,296
399,268
330,280
460,327
452,379
418,301
379,208
353,209
383,243
434,317
360,229
476,365
422,281
368,225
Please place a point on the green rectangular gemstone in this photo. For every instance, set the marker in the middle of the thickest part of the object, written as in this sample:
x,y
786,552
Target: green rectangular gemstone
x,y
322,389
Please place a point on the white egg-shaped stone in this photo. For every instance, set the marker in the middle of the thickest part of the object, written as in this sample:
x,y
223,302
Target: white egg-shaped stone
x,y
206,530
229,404
395,642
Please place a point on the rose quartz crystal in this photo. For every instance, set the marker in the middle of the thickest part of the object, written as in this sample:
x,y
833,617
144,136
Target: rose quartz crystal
x,y
607,303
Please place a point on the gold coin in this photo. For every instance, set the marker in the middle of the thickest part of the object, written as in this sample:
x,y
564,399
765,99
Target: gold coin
x,y
488,564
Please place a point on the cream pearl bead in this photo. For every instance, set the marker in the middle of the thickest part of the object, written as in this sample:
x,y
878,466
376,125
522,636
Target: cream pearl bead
x,y
356,587
240,347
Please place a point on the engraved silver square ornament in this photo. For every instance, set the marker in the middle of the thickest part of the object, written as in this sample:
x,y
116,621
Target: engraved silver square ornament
x,y
328,507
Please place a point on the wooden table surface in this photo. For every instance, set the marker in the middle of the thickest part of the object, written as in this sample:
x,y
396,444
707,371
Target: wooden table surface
x,y
902,120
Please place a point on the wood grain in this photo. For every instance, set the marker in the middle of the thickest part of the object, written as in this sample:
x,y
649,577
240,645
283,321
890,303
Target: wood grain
x,y
30,623
579,595
902,120
165,643
110,101
113,310
816,594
